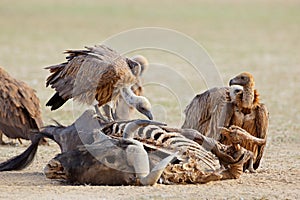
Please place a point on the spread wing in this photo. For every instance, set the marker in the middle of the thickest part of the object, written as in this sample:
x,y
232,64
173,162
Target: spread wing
x,y
94,73
20,108
204,112
262,123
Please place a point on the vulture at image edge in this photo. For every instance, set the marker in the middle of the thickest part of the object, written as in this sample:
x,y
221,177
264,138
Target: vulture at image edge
x,y
97,73
19,109
211,109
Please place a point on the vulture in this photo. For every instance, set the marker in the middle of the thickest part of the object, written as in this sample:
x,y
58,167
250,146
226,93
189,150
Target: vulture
x,y
20,109
220,107
96,73
123,111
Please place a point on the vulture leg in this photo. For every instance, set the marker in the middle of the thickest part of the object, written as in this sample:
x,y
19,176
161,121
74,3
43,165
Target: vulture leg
x,y
6,143
251,159
1,139
20,141
108,112
99,114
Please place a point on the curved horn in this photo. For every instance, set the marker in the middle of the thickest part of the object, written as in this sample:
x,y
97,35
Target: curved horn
x,y
247,136
156,172
243,134
224,131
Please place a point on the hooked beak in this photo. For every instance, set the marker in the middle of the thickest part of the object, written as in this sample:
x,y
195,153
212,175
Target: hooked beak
x,y
231,82
148,114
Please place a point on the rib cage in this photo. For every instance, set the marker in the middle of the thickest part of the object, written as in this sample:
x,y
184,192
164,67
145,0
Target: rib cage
x,y
194,164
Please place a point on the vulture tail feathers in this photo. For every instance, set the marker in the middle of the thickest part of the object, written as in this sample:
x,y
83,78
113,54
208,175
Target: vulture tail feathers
x,y
24,159
56,101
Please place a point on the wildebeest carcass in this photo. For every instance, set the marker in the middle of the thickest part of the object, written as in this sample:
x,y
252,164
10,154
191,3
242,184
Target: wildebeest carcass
x,y
199,158
108,161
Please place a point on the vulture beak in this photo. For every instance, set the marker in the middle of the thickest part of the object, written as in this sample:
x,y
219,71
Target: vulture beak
x,y
148,114
231,82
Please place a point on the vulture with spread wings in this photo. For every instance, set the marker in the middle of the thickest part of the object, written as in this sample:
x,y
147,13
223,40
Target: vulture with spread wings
x,y
19,109
210,110
97,73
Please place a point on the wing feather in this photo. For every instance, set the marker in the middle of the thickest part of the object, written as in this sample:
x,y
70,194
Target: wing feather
x,y
20,108
262,123
92,73
205,110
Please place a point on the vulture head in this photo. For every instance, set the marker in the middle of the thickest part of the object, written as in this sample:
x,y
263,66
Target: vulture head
x,y
143,105
137,65
244,79
134,66
142,61
235,91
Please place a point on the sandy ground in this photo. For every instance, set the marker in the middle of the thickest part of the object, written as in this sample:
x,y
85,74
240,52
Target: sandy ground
x,y
259,36
277,178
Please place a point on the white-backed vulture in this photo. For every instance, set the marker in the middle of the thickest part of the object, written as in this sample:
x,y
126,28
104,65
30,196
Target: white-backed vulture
x,y
19,109
97,73
211,110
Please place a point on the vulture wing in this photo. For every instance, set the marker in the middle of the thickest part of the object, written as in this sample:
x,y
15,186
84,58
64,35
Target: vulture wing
x,y
94,73
20,108
204,112
262,123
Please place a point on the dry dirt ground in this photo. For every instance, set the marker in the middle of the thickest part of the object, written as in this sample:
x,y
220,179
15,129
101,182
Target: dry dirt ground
x,y
277,178
259,36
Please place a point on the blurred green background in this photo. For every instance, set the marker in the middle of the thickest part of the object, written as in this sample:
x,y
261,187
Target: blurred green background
x,y
261,37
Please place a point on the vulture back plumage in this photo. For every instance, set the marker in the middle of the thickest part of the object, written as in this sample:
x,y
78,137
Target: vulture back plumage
x,y
20,108
203,113
92,74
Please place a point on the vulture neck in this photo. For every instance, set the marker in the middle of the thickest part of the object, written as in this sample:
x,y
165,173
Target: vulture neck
x,y
129,97
248,96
